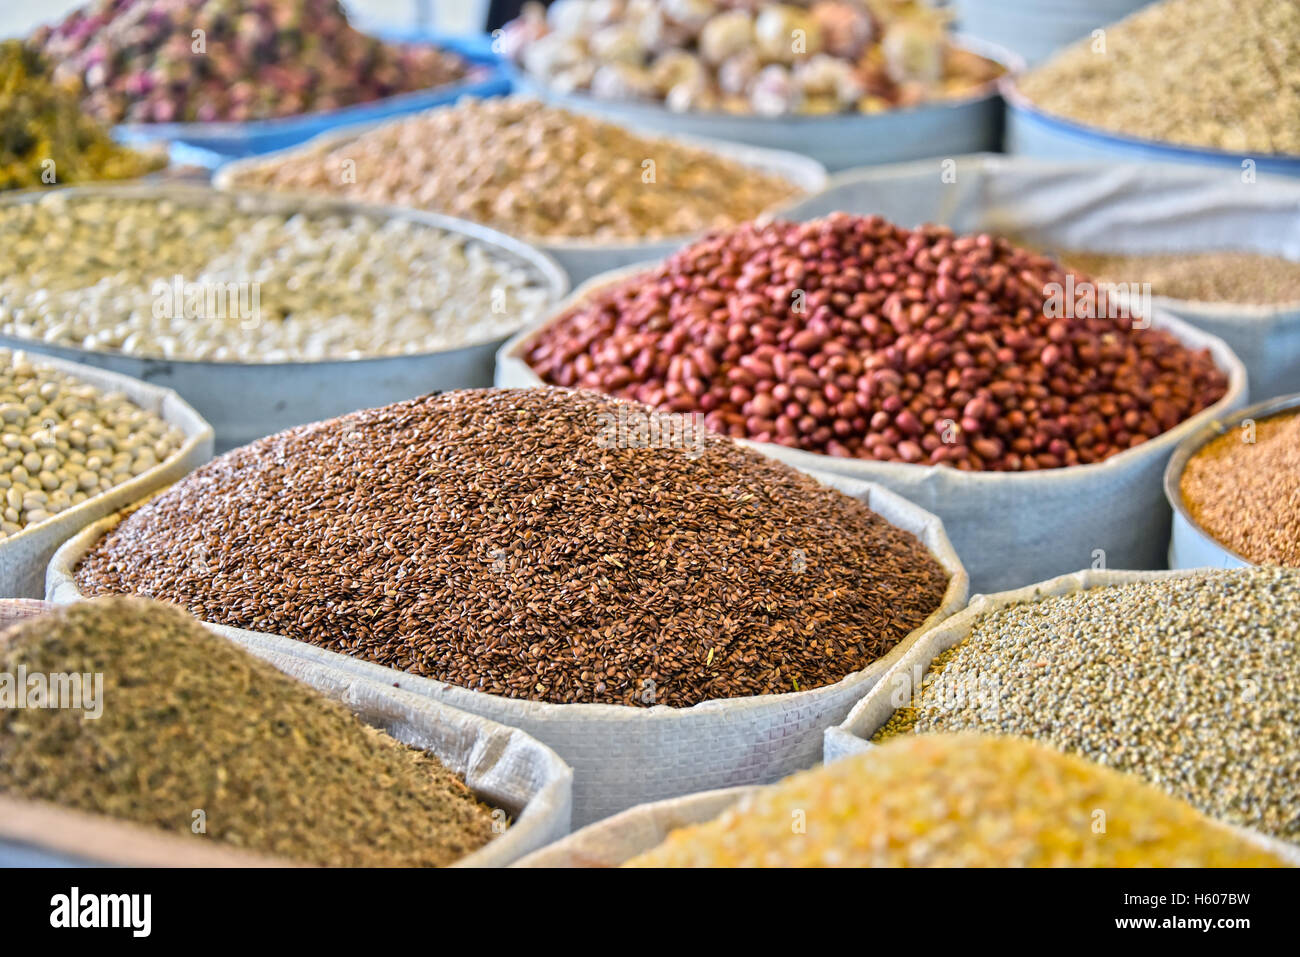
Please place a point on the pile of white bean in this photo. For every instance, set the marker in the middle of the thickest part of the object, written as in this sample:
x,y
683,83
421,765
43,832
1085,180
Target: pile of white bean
x,y
100,273
63,441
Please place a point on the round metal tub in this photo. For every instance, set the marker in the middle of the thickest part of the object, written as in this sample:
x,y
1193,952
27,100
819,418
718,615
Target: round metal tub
x,y
1032,132
969,124
1190,545
246,400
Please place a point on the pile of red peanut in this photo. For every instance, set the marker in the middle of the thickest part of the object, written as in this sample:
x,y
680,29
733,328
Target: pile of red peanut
x,y
853,337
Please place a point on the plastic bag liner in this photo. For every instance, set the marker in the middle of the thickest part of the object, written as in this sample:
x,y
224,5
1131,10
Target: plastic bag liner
x,y
1010,528
620,838
1032,132
233,140
621,755
1127,208
583,258
25,555
897,686
506,768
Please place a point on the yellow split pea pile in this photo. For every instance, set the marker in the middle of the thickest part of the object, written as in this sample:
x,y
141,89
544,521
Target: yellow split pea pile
x,y
958,801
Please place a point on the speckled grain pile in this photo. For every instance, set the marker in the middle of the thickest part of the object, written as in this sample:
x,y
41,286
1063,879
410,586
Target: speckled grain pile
x,y
1192,683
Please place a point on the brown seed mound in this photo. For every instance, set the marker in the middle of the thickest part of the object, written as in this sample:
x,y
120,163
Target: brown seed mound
x,y
1244,489
191,722
508,541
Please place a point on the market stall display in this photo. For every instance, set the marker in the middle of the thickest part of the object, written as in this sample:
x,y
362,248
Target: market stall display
x,y
264,312
189,729
592,194
845,82
721,594
933,363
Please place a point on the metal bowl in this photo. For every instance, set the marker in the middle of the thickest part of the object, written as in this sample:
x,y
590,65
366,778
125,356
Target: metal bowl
x,y
968,124
1190,545
246,400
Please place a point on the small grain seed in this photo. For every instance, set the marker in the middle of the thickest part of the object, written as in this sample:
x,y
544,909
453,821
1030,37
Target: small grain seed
x,y
507,541
1190,682
191,722
1244,489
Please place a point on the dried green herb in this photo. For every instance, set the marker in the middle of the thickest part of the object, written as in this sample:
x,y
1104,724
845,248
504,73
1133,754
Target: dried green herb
x,y
197,734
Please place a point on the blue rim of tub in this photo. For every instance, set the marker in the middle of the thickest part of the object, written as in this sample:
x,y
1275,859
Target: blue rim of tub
x,y
211,144
1020,106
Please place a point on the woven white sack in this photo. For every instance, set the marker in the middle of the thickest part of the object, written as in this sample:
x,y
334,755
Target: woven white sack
x,y
1128,208
618,839
24,556
623,756
870,714
581,258
1010,528
506,768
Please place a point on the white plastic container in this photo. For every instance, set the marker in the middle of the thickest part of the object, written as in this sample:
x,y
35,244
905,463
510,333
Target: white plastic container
x,y
1010,528
506,768
247,400
1190,545
948,128
25,555
582,258
621,755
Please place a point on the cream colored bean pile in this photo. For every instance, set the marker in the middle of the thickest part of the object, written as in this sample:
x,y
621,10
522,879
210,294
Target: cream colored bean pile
x,y
63,441
95,273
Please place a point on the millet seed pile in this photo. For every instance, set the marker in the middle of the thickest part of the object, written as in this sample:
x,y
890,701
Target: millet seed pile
x,y
1222,74
64,441
533,170
960,800
1244,489
191,722
1191,683
507,541
853,337
1221,276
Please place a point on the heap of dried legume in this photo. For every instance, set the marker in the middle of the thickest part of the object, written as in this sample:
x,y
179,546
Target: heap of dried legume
x,y
1244,489
533,170
63,441
207,276
958,801
854,337
542,544
164,61
191,724
1223,74
44,136
1225,276
1191,683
